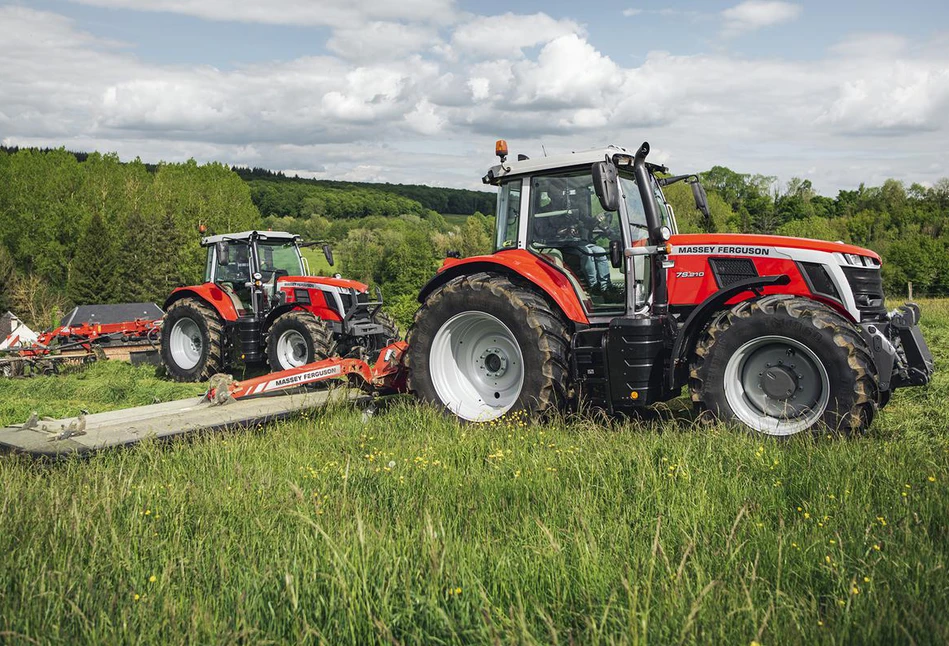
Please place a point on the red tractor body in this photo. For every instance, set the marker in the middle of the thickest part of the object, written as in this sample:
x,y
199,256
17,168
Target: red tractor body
x,y
592,295
258,303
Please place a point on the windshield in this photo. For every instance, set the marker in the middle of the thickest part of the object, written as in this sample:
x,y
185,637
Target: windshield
x,y
634,207
638,236
284,258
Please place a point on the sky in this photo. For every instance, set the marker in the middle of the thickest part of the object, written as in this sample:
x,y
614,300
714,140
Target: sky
x,y
840,92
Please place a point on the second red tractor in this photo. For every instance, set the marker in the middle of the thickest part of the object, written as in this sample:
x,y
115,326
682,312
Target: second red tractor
x,y
258,304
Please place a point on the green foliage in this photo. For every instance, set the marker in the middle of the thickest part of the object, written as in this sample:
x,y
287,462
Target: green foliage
x,y
92,276
410,528
99,230
813,227
283,195
690,219
7,276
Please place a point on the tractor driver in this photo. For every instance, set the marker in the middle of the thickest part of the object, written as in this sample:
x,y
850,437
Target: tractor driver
x,y
562,229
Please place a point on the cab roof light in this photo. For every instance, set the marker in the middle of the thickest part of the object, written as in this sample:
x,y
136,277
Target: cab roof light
x,y
500,149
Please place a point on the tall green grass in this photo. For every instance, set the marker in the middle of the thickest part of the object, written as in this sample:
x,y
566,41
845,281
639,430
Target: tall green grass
x,y
409,528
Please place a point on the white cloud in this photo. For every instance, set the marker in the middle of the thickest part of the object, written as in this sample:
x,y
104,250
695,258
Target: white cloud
x,y
629,13
507,35
376,40
419,117
569,72
752,15
424,119
333,13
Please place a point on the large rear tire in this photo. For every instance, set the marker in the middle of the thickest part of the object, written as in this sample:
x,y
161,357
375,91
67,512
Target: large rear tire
x,y
781,365
298,338
191,340
482,346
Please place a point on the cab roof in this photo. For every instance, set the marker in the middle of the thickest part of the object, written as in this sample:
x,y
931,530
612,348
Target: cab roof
x,y
244,236
515,168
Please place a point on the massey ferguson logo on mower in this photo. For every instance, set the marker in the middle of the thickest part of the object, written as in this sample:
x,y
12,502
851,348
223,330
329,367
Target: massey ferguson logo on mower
x,y
304,377
722,250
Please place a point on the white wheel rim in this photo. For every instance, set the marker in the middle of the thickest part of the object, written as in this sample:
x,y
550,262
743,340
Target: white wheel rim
x,y
476,366
291,350
776,385
187,344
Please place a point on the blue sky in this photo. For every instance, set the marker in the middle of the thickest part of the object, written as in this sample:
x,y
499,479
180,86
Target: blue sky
x,y
838,91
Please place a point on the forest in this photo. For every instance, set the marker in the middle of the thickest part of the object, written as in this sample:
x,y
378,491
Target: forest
x,y
87,227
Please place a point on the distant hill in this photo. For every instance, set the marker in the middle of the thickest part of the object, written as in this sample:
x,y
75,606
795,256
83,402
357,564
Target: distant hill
x,y
442,200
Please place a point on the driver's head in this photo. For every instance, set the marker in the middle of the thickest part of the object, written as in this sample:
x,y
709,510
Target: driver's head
x,y
558,201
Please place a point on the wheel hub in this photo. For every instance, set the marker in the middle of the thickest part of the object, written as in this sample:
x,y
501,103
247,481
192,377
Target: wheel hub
x,y
493,361
779,382
187,344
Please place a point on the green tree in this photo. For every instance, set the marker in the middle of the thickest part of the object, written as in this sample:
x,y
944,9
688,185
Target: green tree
x,y
7,276
93,268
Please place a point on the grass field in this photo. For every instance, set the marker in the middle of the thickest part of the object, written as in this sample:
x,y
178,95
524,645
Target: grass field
x,y
411,529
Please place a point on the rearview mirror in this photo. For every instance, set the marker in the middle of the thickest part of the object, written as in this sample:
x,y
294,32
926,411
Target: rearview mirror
x,y
701,199
222,249
607,188
328,254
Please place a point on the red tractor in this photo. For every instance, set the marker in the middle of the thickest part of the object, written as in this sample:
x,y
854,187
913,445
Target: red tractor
x,y
259,303
592,296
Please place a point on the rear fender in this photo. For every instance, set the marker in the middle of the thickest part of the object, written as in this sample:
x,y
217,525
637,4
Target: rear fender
x,y
517,263
210,294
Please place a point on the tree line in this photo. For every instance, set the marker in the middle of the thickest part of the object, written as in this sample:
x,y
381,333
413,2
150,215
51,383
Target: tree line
x,y
294,191
88,228
102,231
907,226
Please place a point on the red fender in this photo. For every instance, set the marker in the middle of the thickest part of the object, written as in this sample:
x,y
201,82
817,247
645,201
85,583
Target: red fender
x,y
208,292
528,266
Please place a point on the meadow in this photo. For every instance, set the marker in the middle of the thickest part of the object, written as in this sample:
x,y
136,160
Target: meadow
x,y
406,528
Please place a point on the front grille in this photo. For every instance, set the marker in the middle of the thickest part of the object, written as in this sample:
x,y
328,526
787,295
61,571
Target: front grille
x,y
867,287
728,271
818,280
348,301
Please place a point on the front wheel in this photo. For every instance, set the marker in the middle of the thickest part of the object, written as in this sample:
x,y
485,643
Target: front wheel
x,y
191,340
296,339
482,346
781,365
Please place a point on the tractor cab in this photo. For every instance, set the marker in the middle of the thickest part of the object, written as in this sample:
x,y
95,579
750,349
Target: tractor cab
x,y
240,262
587,215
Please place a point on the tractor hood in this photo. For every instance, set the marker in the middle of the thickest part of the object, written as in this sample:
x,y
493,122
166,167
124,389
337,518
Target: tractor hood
x,y
724,242
317,281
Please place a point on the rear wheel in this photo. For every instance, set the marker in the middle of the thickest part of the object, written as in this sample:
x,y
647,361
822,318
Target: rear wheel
x,y
298,338
781,365
191,340
482,346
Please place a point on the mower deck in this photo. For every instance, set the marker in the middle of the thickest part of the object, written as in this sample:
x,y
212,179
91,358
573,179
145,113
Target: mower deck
x,y
122,427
